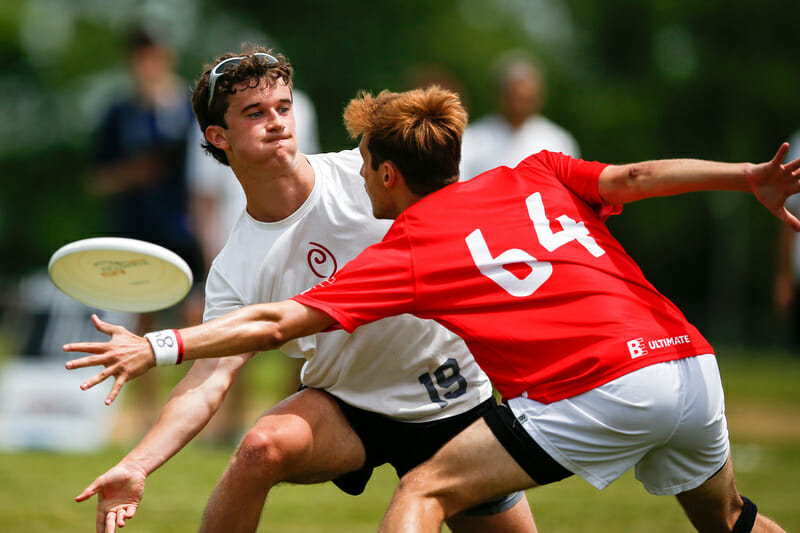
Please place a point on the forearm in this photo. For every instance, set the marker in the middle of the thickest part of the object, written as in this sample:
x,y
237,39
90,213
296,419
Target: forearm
x,y
190,406
627,183
251,328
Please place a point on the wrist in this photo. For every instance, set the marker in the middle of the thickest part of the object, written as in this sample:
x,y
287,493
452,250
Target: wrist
x,y
167,346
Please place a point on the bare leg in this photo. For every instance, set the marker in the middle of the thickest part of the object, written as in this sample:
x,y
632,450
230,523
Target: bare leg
x,y
303,439
716,505
470,469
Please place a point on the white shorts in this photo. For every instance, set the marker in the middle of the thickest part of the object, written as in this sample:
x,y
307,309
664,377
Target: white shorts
x,y
667,420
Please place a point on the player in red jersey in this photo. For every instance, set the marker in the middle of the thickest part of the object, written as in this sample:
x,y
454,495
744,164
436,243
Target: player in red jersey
x,y
600,372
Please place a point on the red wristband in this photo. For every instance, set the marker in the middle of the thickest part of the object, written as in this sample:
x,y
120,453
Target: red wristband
x,y
179,338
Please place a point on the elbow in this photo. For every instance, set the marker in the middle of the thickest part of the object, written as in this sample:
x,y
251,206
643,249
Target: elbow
x,y
629,183
636,178
270,326
266,336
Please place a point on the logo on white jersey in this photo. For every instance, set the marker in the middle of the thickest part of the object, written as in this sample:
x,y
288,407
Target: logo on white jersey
x,y
321,261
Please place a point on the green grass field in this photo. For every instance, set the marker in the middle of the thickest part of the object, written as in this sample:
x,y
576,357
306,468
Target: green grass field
x,y
763,410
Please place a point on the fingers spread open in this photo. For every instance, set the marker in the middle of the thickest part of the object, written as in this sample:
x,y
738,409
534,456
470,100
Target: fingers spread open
x,y
781,154
118,383
111,522
83,362
98,378
87,493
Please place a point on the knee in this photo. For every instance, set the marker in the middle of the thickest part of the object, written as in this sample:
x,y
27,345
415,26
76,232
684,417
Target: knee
x,y
411,485
267,451
417,490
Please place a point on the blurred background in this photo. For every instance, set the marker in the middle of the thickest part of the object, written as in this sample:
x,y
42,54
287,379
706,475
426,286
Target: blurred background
x,y
630,80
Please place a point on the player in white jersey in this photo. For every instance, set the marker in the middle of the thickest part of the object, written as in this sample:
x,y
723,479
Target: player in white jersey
x,y
394,394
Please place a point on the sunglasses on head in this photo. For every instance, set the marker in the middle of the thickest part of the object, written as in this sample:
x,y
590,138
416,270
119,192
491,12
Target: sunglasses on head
x,y
226,64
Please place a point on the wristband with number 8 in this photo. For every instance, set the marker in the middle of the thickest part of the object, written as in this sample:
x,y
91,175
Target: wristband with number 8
x,y
167,346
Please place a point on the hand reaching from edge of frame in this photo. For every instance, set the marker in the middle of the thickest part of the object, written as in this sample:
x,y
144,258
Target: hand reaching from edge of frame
x,y
773,182
119,492
125,356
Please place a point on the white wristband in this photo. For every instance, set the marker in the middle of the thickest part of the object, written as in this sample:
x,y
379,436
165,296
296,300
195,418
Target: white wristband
x,y
167,345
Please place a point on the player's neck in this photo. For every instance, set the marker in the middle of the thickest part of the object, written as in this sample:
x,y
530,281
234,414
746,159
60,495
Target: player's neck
x,y
273,196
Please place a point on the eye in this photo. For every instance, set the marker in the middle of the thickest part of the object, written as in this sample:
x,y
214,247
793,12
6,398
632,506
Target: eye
x,y
255,114
283,110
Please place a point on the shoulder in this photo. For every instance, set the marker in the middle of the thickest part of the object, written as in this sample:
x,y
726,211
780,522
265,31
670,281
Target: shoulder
x,y
345,160
238,246
340,167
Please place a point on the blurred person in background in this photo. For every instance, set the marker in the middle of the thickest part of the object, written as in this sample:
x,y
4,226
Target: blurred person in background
x,y
140,152
518,128
140,168
787,277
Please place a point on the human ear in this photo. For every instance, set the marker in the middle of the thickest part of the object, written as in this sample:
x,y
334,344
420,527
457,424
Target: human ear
x,y
390,173
216,136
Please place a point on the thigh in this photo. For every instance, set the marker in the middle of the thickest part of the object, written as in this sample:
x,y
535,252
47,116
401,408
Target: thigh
x,y
311,437
408,444
470,469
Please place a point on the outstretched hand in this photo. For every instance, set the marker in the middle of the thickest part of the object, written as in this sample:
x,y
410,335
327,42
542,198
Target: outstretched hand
x,y
119,492
773,182
125,356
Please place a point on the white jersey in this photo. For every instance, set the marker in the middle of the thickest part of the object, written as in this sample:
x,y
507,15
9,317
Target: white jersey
x,y
403,367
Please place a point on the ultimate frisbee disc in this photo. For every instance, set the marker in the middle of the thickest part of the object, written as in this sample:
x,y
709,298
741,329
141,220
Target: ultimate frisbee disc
x,y
119,274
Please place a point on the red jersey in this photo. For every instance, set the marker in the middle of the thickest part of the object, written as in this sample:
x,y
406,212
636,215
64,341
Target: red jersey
x,y
520,264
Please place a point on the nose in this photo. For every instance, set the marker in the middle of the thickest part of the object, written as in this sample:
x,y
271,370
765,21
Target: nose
x,y
275,123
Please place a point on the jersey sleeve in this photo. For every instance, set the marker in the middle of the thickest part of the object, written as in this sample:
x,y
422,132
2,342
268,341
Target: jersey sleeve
x,y
378,283
580,177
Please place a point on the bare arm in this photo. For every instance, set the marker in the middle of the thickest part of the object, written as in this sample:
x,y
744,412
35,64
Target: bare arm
x,y
189,408
771,182
248,329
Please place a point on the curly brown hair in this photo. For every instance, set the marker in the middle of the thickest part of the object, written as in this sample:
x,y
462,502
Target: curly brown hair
x,y
250,72
419,131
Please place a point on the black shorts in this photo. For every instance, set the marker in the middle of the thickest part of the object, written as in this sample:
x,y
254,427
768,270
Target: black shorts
x,y
542,468
405,445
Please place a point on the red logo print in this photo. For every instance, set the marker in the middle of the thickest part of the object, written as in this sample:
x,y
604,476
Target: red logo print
x,y
321,261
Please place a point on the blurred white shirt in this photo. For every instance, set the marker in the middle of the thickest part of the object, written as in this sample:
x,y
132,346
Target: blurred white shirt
x,y
490,142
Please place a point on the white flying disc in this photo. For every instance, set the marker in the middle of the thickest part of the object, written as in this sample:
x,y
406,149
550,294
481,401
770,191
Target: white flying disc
x,y
119,274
